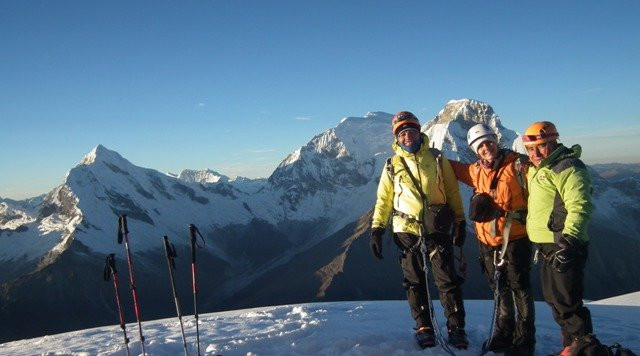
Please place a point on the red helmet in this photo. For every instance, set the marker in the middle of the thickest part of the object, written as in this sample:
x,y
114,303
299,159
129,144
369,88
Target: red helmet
x,y
540,132
403,120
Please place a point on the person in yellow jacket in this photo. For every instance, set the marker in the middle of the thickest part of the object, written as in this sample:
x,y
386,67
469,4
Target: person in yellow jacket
x,y
498,209
413,187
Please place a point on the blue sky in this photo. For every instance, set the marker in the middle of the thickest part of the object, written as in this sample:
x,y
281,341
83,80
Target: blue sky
x,y
237,85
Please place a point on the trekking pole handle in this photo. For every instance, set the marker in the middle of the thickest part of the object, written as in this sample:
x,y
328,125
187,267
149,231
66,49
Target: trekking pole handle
x,y
193,230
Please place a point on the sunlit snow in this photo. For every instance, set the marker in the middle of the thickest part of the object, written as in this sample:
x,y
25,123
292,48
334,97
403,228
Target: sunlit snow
x,y
340,328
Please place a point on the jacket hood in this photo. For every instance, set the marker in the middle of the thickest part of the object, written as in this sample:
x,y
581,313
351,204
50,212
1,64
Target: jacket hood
x,y
562,152
401,152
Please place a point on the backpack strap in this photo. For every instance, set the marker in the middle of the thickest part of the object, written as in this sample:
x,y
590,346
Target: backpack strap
x,y
496,175
413,179
437,154
388,167
519,166
493,185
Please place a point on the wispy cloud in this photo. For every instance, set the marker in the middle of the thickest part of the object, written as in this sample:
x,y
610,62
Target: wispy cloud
x,y
201,104
303,118
265,150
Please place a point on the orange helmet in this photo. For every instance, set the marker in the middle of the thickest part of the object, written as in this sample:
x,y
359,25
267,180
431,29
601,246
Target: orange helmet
x,y
404,120
540,132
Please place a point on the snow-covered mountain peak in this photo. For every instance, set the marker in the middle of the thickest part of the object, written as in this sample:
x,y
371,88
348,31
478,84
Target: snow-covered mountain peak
x,y
379,115
371,115
12,218
202,176
102,154
365,136
354,138
334,142
448,129
337,162
467,112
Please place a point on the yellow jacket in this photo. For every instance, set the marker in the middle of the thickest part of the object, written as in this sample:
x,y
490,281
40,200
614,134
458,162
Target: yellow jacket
x,y
397,192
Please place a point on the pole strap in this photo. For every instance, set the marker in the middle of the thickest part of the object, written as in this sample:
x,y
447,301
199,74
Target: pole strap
x,y
170,251
109,267
122,227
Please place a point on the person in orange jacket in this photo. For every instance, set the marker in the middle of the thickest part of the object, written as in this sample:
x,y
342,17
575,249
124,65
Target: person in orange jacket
x,y
498,209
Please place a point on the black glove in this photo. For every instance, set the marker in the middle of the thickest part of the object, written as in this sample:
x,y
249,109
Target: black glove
x,y
571,249
376,242
459,233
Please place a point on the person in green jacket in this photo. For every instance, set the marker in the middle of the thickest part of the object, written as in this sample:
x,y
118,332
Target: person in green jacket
x,y
413,180
559,210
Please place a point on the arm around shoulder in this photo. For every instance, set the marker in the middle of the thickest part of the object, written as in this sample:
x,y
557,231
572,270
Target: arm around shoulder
x,y
461,171
452,190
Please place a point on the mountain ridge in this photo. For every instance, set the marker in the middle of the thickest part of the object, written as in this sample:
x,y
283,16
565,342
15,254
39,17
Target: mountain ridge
x,y
259,233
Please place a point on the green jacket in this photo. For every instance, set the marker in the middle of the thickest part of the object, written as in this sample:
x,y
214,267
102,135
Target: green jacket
x,y
559,197
396,190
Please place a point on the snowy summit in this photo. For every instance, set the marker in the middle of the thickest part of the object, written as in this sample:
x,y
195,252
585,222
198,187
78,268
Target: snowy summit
x,y
341,328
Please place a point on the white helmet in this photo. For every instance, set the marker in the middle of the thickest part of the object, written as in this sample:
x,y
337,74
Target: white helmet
x,y
479,134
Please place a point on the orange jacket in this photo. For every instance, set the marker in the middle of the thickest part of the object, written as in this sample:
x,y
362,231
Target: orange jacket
x,y
509,195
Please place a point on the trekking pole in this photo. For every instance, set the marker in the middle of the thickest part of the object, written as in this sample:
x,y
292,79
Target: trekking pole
x,y
123,230
194,243
496,302
110,271
171,255
498,263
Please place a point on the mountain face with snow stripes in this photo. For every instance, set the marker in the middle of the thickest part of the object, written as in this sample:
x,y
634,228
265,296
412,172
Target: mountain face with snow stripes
x,y
294,237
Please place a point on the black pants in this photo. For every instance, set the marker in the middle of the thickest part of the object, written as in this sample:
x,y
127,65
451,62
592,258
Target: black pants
x,y
440,255
516,310
563,292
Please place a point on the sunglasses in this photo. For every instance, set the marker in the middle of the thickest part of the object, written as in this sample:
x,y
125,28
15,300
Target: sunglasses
x,y
409,131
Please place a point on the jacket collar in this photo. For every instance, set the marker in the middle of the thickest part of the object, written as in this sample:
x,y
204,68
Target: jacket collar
x,y
562,152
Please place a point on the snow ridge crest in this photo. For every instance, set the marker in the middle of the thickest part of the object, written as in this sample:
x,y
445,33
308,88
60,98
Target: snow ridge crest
x,y
202,176
102,154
